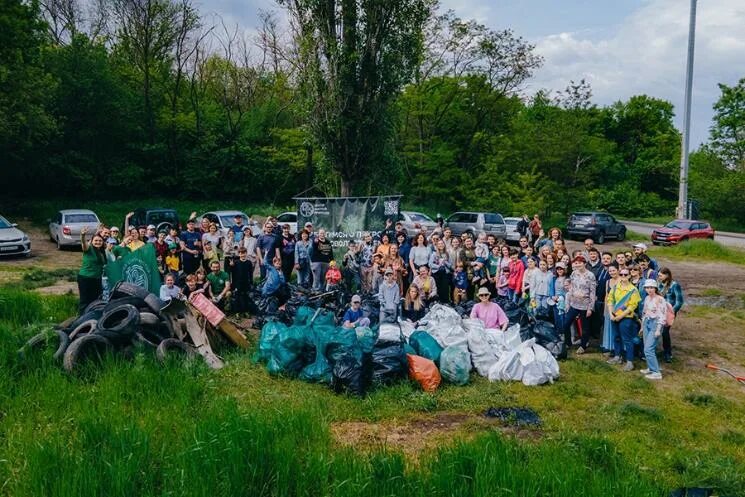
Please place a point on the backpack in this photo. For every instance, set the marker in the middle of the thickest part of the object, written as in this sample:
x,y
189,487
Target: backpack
x,y
669,314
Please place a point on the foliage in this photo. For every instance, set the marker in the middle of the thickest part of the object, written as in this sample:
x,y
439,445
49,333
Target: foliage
x,y
728,130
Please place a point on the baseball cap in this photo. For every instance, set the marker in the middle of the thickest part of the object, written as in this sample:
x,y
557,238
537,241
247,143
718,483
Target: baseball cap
x,y
356,299
642,246
561,265
246,228
650,282
114,228
172,246
151,226
484,291
308,224
579,258
191,221
389,271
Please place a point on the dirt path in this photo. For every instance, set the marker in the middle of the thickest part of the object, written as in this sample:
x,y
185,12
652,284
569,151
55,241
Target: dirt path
x,y
44,253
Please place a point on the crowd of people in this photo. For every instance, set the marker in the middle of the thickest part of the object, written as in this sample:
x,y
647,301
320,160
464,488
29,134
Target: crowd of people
x,y
615,298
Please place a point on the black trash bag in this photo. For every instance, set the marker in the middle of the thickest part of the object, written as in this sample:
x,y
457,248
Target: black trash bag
x,y
544,314
517,315
520,416
468,307
389,362
352,375
371,310
547,336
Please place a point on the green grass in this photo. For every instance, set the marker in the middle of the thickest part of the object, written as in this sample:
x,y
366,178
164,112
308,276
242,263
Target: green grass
x,y
706,250
136,428
37,278
633,236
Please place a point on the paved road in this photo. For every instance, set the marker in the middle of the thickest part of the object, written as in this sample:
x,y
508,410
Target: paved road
x,y
725,238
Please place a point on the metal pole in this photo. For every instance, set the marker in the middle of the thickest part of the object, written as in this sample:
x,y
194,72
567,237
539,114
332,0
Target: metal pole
x,y
683,191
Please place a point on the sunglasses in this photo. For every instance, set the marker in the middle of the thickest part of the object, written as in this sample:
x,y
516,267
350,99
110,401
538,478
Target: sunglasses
x,y
484,296
623,274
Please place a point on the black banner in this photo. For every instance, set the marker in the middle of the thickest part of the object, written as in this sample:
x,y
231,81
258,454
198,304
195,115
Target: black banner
x,y
347,218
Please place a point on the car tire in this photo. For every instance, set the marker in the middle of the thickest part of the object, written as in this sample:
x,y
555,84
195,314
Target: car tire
x,y
600,240
83,348
621,235
119,324
38,342
171,346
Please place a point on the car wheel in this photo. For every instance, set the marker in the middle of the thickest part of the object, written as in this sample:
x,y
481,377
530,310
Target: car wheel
x,y
684,239
621,235
601,238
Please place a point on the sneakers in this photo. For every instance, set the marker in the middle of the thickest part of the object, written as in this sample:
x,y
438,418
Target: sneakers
x,y
653,376
614,360
645,371
580,350
629,366
668,358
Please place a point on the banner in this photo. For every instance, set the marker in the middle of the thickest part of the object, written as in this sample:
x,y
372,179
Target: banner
x,y
139,267
347,218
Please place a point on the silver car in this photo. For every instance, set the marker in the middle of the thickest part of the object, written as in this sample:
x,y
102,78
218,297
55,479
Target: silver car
x,y
413,221
66,225
512,235
12,240
225,220
476,222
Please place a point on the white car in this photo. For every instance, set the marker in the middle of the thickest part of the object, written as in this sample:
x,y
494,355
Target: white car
x,y
288,218
226,220
512,235
12,240
414,221
65,227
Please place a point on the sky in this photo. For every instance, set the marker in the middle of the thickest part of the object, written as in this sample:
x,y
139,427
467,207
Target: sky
x,y
621,47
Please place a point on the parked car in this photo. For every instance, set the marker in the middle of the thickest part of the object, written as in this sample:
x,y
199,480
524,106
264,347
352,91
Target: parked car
x,y
413,221
681,230
595,225
288,218
475,222
162,219
12,240
512,235
226,220
66,225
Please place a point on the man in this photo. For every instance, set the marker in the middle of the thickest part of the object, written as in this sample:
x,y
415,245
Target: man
x,y
321,255
354,316
524,244
589,243
535,227
219,285
268,248
606,259
522,226
581,298
309,229
191,248
366,263
596,267
241,272
237,227
641,249
489,312
150,235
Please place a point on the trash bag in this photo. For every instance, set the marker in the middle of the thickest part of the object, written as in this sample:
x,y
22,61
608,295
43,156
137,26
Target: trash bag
x,y
444,324
424,371
324,318
547,336
366,337
409,349
389,332
292,351
304,315
351,375
388,362
340,342
269,333
520,416
529,363
455,364
425,345
483,354
319,371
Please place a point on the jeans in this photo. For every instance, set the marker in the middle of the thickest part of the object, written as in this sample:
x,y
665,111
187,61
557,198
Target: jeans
x,y
570,316
319,274
650,345
303,274
625,331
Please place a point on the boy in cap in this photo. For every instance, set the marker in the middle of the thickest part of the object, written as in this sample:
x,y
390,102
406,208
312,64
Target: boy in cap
x,y
354,316
389,296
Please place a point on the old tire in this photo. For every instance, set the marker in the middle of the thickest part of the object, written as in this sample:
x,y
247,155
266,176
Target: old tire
x,y
42,340
146,341
171,346
83,328
149,319
96,305
125,289
87,347
119,323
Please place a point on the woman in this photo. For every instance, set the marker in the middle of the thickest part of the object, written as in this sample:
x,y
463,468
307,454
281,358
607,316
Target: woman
x,y
287,251
621,303
229,249
398,265
653,320
454,250
413,308
90,286
442,269
468,257
551,263
320,257
504,259
214,236
302,259
384,248
419,253
673,294
404,247
426,285
609,338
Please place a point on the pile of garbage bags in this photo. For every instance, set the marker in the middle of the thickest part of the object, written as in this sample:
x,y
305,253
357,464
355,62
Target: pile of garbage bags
x,y
445,347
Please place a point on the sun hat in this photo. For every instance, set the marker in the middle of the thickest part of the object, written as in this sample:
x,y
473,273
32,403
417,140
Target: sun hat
x,y
650,283
151,226
484,291
356,299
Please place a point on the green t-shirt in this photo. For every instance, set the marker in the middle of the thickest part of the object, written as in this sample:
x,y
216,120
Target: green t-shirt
x,y
119,251
218,281
493,265
93,262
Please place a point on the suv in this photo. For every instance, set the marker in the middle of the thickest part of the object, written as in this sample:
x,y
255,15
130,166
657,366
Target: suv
x,y
595,225
163,219
681,230
475,222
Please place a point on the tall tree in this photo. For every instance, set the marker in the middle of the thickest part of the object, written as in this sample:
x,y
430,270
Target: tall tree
x,y
728,130
355,57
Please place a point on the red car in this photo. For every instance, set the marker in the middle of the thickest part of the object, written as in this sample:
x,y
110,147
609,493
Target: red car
x,y
681,230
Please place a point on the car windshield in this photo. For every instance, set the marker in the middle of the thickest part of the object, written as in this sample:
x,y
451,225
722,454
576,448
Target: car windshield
x,y
229,221
81,218
511,222
4,223
420,218
582,218
158,217
678,225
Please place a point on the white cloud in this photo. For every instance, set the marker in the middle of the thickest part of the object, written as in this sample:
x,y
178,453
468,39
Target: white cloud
x,y
647,52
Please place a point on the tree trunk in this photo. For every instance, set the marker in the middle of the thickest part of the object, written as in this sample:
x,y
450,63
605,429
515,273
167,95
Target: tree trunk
x,y
346,187
308,167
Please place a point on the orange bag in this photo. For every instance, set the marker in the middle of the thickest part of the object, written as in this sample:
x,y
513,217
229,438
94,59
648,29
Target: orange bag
x,y
424,372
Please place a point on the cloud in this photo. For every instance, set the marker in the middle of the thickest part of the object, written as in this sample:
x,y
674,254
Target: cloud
x,y
646,53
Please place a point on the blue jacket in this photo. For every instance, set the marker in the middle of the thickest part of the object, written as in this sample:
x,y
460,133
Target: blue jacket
x,y
674,295
274,280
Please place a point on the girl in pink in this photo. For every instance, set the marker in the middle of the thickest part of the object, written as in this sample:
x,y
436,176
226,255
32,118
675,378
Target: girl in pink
x,y
515,280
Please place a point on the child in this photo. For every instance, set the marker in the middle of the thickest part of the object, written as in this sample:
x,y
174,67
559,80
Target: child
x,y
481,247
389,296
479,272
209,255
527,287
515,282
173,261
460,283
528,251
560,300
539,285
377,271
169,290
333,277
161,266
503,288
351,265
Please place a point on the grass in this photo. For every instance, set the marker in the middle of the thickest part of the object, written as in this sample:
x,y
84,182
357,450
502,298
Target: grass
x,y
136,428
732,225
707,250
36,277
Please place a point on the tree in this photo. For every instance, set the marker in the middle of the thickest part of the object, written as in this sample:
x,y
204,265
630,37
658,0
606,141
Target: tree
x,y
728,130
355,56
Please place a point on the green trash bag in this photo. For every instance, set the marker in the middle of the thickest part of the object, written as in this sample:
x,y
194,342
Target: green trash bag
x,y
343,342
269,334
366,338
325,318
409,349
304,315
455,364
425,345
292,350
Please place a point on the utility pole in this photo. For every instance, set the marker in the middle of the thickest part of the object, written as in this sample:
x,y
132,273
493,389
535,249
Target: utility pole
x,y
683,189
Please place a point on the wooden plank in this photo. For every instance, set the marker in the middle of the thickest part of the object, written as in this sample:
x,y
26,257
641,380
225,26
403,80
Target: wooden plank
x,y
233,334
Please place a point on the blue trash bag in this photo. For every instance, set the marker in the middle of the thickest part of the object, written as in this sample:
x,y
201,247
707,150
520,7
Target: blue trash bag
x,y
269,334
366,337
425,345
455,364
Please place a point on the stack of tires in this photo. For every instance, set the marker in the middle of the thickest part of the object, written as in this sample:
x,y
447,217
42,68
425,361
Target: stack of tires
x,y
131,318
